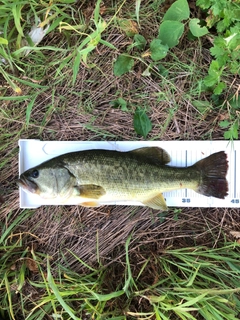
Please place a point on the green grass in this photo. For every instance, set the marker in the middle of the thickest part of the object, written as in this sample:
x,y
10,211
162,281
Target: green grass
x,y
185,283
77,41
63,89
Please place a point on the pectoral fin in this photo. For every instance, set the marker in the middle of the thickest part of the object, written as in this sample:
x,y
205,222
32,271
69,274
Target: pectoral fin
x,y
153,155
157,202
90,191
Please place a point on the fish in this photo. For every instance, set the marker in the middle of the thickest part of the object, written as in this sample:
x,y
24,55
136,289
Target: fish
x,y
96,177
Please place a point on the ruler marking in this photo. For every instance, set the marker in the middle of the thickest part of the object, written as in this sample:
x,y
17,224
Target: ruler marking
x,y
186,193
235,175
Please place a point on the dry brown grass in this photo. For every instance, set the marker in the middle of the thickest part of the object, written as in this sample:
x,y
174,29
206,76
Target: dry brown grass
x,y
98,235
83,112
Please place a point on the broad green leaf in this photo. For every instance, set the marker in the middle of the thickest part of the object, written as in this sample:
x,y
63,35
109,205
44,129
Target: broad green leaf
x,y
232,133
227,135
216,8
158,50
233,41
122,65
140,41
120,102
162,70
214,67
224,124
219,47
230,39
142,123
196,29
234,67
178,11
170,32
190,36
224,60
214,74
3,41
222,25
210,80
219,88
204,4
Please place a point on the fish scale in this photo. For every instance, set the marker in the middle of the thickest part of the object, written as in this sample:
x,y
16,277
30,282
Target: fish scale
x,y
94,177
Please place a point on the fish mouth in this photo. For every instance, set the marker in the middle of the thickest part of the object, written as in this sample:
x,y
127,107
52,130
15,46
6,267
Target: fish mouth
x,y
27,185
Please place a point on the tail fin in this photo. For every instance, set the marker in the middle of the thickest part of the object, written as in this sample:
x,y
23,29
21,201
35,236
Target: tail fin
x,y
213,175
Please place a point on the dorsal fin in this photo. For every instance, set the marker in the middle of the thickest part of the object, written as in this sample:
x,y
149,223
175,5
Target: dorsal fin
x,y
153,155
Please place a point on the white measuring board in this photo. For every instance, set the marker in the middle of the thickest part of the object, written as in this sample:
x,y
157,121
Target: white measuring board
x,y
183,153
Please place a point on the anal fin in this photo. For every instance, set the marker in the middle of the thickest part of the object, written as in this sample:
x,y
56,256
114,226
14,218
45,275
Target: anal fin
x,y
158,202
90,204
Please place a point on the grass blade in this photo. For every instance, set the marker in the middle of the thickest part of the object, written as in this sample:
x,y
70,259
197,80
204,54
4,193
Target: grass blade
x,y
57,293
76,65
16,11
29,109
8,289
137,9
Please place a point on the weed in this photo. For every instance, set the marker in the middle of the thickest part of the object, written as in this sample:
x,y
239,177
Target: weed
x,y
224,16
170,32
186,281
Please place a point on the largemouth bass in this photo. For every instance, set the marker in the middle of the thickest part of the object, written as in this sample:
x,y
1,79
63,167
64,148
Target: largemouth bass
x,y
96,177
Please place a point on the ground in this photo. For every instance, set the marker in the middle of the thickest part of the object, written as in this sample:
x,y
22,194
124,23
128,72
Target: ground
x,y
83,240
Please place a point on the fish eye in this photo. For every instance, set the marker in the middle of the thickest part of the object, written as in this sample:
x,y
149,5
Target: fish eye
x,y
35,174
